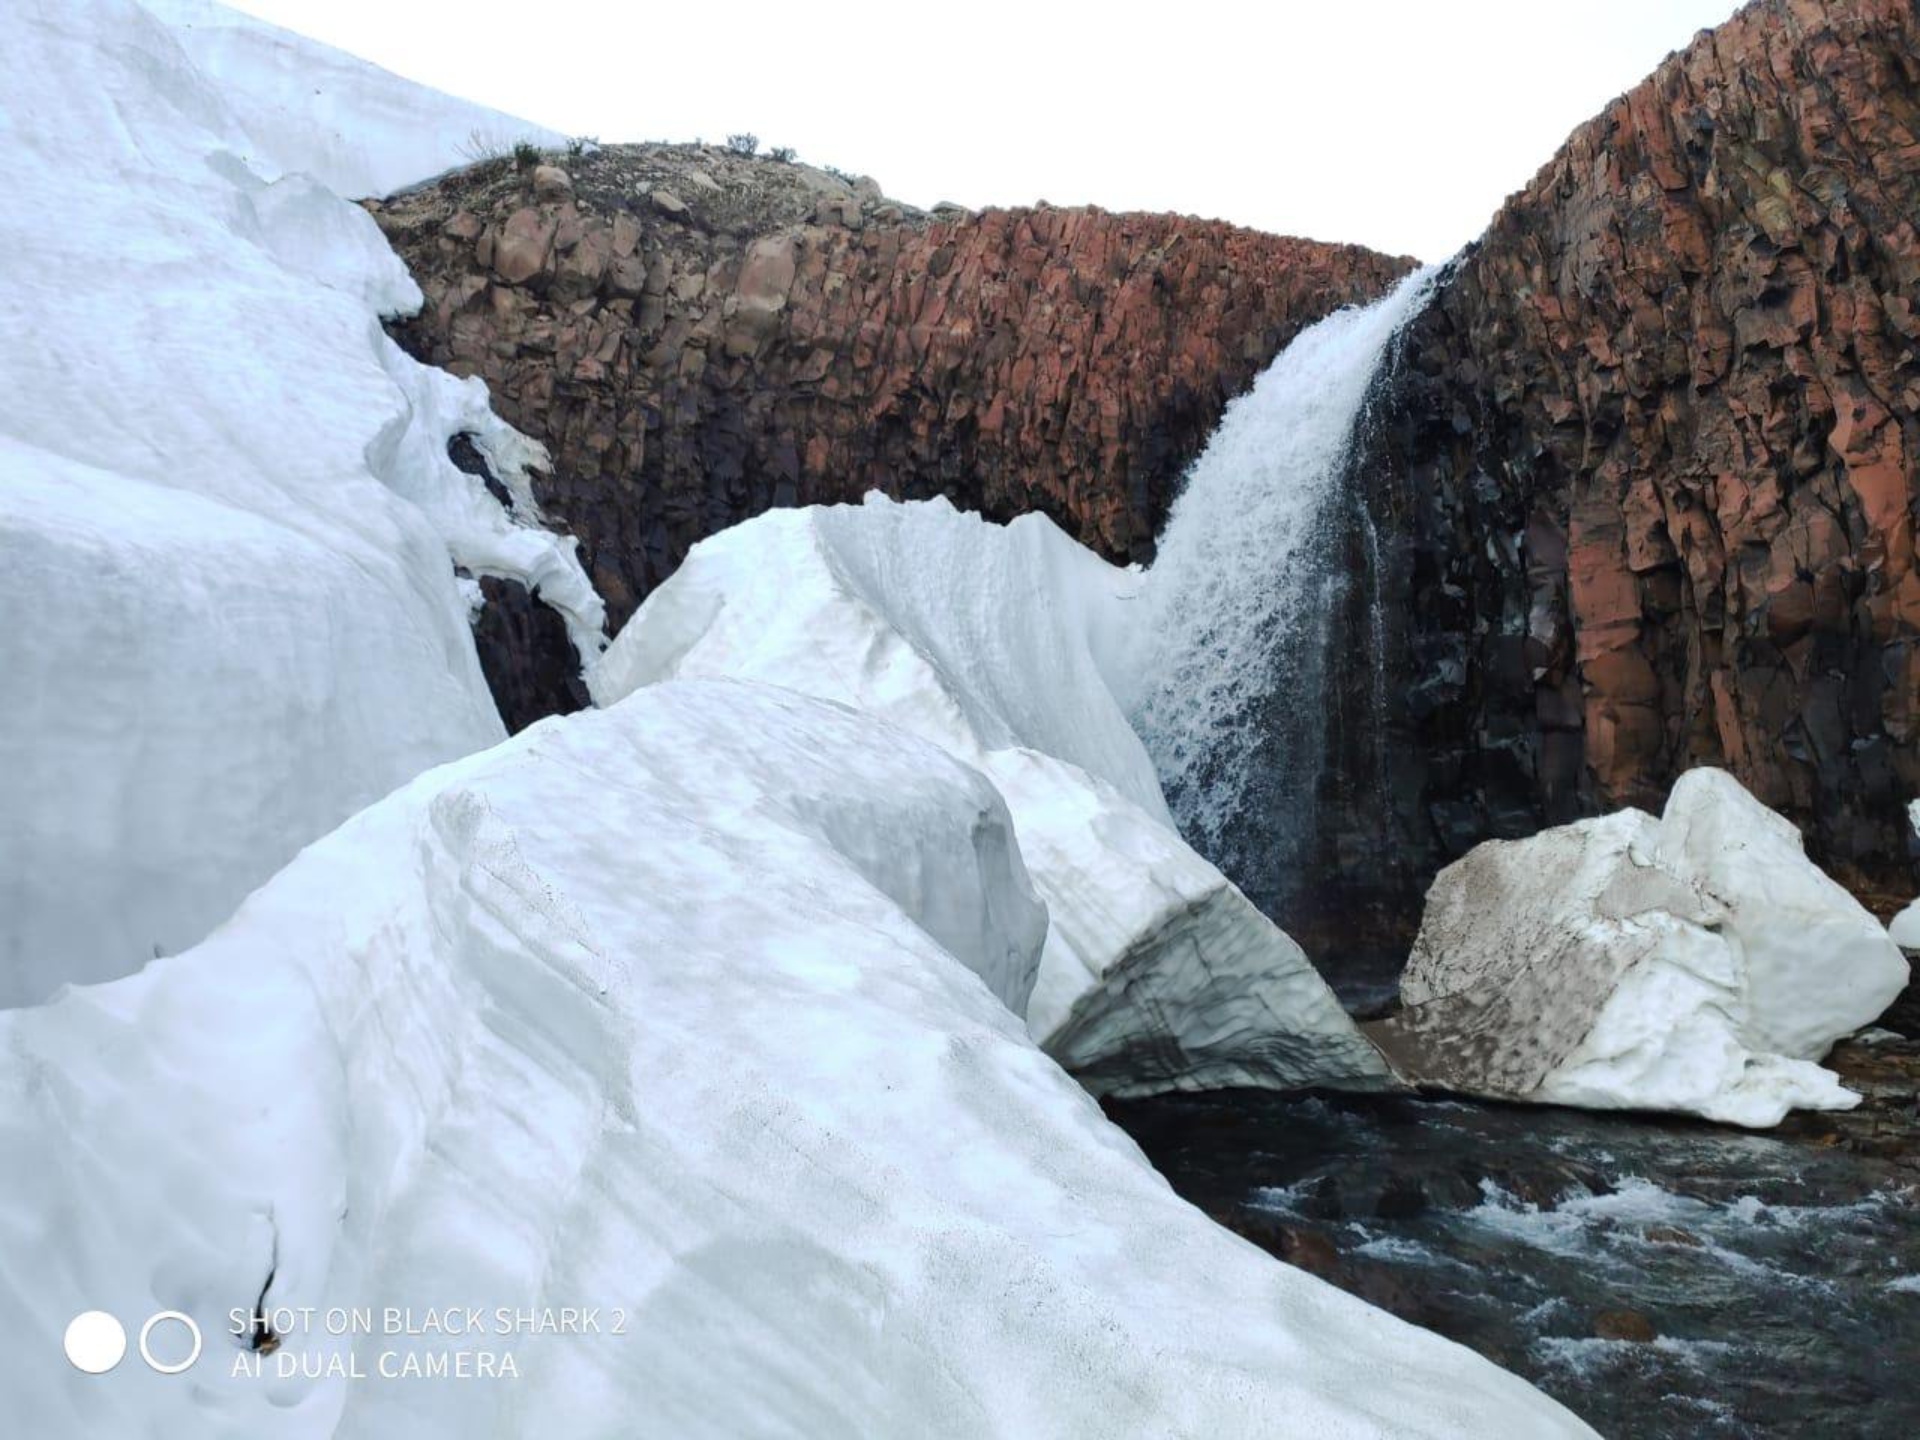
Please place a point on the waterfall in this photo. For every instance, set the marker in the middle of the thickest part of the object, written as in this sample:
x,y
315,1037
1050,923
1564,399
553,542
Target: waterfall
x,y
1241,604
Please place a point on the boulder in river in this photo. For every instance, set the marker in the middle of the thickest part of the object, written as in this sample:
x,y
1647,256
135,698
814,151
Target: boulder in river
x,y
1698,962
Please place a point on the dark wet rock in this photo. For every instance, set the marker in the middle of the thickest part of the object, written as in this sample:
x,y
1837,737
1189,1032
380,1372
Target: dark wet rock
x,y
1629,1325
1309,1250
526,655
1671,1235
1886,1125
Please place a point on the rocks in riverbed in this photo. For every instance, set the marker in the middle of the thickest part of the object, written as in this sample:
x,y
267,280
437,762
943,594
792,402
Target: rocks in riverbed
x,y
1695,963
1672,1235
1628,1325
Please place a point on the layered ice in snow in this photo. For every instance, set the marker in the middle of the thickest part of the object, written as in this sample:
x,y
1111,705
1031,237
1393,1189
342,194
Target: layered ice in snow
x,y
996,642
232,526
694,1009
1698,962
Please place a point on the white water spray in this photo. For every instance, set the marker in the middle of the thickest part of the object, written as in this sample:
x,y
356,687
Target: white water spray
x,y
1247,579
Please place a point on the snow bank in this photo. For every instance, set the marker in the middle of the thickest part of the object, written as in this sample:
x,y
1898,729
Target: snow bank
x,y
1698,963
231,523
1905,927
675,1009
995,642
304,106
1158,973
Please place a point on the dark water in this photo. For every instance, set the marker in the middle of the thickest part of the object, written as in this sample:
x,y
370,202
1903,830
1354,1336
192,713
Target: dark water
x,y
1754,1285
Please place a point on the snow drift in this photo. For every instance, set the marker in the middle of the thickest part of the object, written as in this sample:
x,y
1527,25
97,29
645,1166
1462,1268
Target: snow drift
x,y
696,1008
304,106
1698,962
232,526
995,642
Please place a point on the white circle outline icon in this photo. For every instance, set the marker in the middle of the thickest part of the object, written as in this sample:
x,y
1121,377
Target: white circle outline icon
x,y
95,1342
146,1330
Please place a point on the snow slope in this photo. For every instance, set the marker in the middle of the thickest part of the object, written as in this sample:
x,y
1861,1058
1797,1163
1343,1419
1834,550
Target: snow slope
x,y
357,129
675,1008
230,526
1698,962
996,642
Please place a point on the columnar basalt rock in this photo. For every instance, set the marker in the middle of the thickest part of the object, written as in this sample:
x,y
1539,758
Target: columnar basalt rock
x,y
699,336
1648,463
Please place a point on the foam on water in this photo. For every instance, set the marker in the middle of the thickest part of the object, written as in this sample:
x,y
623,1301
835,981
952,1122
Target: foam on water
x,y
1400,1248
1592,1357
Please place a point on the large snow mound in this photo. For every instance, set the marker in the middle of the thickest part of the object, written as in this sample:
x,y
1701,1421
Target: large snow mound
x,y
304,106
1698,962
694,1009
995,642
231,528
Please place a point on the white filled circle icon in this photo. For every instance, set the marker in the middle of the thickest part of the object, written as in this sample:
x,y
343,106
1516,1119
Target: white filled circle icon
x,y
146,1335
95,1342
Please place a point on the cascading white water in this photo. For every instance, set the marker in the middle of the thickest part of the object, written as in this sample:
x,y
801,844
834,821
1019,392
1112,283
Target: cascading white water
x,y
1247,580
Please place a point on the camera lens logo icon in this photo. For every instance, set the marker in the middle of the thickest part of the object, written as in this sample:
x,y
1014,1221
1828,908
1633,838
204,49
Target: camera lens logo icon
x,y
95,1342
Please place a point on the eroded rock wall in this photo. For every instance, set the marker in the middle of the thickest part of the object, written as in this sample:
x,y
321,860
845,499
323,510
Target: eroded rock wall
x,y
699,336
1647,468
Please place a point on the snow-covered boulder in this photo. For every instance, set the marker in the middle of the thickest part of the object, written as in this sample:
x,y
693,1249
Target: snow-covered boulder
x,y
1698,962
995,642
230,526
1905,927
694,1011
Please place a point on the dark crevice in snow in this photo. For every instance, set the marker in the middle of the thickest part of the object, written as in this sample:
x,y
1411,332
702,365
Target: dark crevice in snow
x,y
464,451
263,1337
526,654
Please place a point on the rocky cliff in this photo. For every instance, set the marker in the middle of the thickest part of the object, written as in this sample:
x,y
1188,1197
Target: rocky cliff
x,y
1647,465
1641,479
699,335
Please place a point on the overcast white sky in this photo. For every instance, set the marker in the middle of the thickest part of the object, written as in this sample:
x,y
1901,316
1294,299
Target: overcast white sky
x,y
1398,124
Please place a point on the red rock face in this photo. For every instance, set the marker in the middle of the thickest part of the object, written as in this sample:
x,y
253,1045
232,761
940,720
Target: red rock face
x,y
698,337
1645,477
1676,387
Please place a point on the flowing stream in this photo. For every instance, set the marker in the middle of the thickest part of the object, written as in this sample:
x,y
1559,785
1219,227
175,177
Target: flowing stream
x,y
1665,1279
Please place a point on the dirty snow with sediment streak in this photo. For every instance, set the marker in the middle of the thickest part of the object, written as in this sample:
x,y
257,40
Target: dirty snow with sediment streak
x,y
702,1008
230,524
1697,963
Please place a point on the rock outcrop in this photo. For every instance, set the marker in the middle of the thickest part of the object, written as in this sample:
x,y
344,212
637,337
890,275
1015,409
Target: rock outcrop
x,y
1649,461
1642,477
699,336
